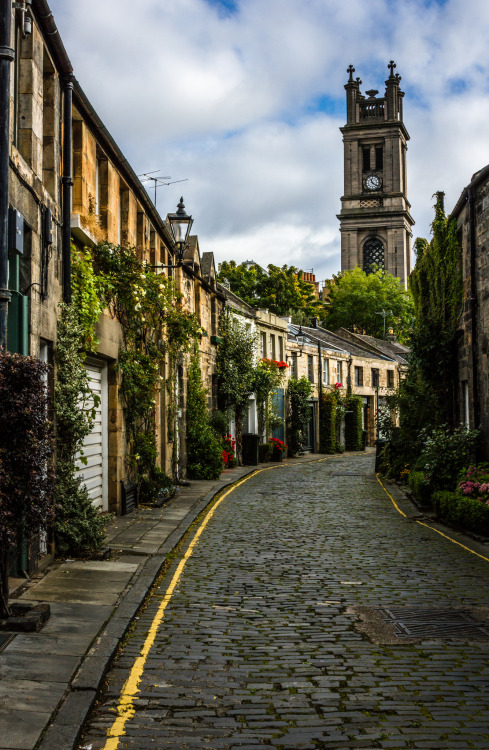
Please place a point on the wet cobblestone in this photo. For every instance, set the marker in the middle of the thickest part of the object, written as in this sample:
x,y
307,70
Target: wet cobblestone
x,y
257,650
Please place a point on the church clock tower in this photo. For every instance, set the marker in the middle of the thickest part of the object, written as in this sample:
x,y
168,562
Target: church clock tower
x,y
375,219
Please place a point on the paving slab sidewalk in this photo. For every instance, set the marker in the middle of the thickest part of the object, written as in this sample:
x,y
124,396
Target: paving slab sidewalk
x,y
49,680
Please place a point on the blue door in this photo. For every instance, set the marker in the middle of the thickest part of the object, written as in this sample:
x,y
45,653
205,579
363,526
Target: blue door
x,y
279,408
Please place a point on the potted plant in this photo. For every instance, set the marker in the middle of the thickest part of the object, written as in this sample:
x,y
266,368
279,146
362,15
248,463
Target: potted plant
x,y
277,449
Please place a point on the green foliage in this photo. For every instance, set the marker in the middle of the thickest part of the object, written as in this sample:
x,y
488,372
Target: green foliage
x,y
155,484
436,285
145,304
444,454
264,452
235,369
282,290
463,512
299,392
327,422
355,299
26,447
353,423
78,527
268,376
204,450
420,487
87,293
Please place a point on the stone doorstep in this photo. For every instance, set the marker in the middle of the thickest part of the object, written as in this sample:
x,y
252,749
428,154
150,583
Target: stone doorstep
x,y
25,617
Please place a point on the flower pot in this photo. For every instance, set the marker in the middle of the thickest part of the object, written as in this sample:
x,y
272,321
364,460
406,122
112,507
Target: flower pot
x,y
277,455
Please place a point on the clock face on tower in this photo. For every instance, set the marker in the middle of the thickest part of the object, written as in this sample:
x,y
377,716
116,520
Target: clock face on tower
x,y
372,182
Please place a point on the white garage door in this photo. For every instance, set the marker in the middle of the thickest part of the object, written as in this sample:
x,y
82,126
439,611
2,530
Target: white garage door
x,y
94,472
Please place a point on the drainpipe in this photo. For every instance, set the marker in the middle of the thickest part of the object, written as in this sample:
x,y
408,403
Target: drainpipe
x,y
473,307
6,58
67,184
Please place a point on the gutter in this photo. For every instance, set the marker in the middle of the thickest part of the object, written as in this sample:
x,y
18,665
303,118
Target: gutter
x,y
6,58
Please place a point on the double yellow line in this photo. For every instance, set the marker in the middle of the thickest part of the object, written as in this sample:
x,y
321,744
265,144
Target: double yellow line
x,y
421,523
125,708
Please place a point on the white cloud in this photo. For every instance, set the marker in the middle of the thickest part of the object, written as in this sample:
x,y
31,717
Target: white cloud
x,y
226,99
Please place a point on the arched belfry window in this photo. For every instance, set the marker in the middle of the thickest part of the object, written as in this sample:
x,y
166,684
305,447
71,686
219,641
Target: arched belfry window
x,y
373,254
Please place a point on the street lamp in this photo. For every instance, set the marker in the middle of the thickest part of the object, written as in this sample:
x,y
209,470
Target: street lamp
x,y
180,226
385,314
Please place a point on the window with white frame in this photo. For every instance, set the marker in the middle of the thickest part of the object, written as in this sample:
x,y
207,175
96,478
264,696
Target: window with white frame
x,y
339,372
325,371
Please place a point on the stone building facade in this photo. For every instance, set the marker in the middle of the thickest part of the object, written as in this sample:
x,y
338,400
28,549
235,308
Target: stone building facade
x,y
63,157
375,219
370,367
471,213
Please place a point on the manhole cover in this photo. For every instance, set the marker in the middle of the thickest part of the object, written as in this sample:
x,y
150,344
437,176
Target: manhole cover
x,y
434,623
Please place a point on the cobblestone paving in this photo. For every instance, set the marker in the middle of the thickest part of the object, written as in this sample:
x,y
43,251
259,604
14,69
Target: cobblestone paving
x,y
256,649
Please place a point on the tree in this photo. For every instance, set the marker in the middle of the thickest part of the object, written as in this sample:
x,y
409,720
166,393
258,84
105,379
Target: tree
x,y
282,290
26,448
235,369
356,300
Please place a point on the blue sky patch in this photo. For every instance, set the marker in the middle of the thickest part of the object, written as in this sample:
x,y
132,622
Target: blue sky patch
x,y
224,7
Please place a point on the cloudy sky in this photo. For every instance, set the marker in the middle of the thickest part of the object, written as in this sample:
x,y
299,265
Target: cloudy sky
x,y
245,97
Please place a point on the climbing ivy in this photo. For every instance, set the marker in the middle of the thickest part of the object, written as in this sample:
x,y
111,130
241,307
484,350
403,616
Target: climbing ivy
x,y
353,423
299,392
235,368
156,331
327,422
78,526
204,449
436,285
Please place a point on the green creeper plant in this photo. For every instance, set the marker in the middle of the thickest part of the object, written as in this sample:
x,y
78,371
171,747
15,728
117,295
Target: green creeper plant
x,y
235,369
353,423
79,527
327,422
299,392
204,449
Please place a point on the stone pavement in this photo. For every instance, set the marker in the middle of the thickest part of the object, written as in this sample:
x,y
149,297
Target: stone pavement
x,y
263,645
57,672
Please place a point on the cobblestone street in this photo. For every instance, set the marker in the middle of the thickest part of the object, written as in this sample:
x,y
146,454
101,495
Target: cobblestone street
x,y
260,644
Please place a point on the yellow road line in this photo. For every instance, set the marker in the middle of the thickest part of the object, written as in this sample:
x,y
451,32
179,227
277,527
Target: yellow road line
x,y
421,523
125,708
391,498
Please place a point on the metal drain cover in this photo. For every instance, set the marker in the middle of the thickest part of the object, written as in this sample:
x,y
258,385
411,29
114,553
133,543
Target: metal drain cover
x,y
434,623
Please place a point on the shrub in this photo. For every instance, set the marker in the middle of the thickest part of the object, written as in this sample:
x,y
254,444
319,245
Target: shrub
x,y
204,450
463,512
153,486
474,482
299,413
327,423
420,487
26,447
264,452
444,454
353,423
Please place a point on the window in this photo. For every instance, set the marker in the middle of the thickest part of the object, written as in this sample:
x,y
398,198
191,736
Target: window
x,y
375,377
339,372
263,344
390,378
358,375
326,371
49,140
294,368
280,348
310,368
373,254
272,347
366,159
379,158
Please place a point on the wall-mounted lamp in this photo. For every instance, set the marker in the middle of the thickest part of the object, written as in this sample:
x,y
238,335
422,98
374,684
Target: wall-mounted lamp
x,y
180,226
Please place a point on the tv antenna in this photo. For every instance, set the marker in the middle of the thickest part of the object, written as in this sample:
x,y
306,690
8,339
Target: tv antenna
x,y
159,180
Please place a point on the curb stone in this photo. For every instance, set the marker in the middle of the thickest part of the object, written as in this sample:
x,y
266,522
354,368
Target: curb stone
x,y
63,732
